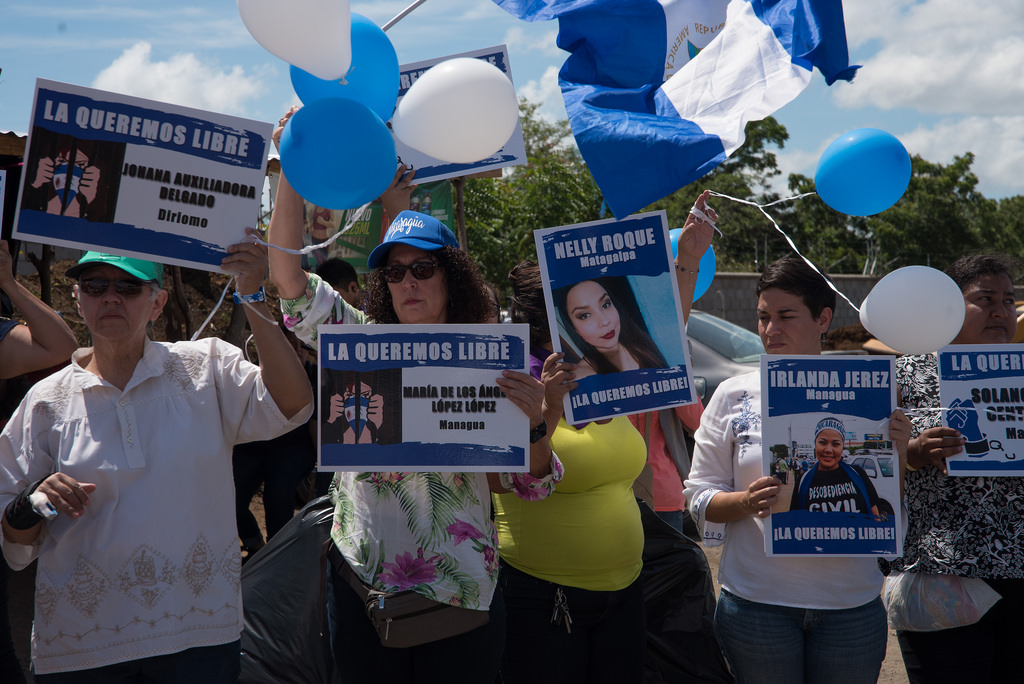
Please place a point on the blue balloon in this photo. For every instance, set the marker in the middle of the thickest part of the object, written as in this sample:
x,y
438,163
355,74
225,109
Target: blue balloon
x,y
706,270
338,154
372,79
863,172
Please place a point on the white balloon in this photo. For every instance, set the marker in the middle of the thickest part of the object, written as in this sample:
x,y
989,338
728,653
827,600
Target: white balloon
x,y
864,313
914,310
461,110
314,35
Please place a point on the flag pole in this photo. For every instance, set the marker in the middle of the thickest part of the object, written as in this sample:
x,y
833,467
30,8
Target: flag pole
x,y
401,15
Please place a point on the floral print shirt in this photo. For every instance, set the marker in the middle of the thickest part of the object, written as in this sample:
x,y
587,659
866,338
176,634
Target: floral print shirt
x,y
966,526
429,532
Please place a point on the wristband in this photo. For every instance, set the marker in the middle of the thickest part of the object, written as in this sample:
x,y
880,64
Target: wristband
x,y
19,513
259,295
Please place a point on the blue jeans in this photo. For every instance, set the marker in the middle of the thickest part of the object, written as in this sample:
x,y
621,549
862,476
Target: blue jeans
x,y
201,665
607,642
768,644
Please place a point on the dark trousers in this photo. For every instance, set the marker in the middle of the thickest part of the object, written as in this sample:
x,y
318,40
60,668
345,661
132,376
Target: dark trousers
x,y
470,658
10,668
280,465
987,651
203,665
607,642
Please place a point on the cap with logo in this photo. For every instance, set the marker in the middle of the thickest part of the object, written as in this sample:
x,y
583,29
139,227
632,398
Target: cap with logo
x,y
416,230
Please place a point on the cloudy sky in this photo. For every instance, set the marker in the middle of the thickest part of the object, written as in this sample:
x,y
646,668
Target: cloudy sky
x,y
944,76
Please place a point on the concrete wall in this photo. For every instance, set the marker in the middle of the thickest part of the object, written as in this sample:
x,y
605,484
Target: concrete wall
x,y
731,296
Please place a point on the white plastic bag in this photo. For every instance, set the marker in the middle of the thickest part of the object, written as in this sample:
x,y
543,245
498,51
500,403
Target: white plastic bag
x,y
925,602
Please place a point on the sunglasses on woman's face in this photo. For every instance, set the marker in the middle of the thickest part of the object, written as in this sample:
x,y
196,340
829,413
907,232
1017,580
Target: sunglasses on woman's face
x,y
95,287
421,270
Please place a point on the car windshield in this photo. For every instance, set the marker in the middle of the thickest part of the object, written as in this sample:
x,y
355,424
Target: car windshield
x,y
728,339
885,463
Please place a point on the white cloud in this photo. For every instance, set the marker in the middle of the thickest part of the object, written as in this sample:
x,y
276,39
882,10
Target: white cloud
x,y
997,143
182,79
534,41
547,94
938,56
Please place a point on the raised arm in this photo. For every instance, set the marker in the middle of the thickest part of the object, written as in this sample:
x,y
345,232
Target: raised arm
x,y
693,241
286,231
282,372
44,342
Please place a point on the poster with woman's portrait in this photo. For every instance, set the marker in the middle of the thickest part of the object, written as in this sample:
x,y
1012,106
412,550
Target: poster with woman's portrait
x,y
825,435
613,309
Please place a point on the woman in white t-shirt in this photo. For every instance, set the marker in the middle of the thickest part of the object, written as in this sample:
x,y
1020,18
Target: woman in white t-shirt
x,y
781,619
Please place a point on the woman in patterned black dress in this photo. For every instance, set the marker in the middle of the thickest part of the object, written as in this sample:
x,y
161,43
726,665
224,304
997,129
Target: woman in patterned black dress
x,y
972,527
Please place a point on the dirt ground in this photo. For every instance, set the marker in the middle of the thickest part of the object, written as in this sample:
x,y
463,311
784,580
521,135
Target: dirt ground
x,y
22,586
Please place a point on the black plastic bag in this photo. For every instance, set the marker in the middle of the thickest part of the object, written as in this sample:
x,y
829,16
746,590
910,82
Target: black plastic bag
x,y
679,597
284,638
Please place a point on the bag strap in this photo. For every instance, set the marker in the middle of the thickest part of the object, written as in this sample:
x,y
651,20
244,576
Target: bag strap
x,y
341,566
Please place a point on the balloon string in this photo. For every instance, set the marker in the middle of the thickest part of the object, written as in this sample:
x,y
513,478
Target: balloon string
x,y
923,412
761,208
195,335
401,15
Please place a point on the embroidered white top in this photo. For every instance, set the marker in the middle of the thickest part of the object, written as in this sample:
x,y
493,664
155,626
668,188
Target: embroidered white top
x,y
727,458
152,567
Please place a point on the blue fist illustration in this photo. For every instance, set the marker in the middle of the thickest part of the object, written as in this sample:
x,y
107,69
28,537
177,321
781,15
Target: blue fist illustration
x,y
964,417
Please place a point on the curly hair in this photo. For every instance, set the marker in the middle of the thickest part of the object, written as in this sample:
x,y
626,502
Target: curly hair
x,y
967,269
468,300
527,302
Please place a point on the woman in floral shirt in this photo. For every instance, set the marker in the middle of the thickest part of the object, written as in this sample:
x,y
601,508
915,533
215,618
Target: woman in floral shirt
x,y
429,532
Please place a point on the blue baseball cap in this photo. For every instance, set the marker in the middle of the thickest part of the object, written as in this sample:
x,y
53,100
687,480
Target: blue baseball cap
x,y
416,230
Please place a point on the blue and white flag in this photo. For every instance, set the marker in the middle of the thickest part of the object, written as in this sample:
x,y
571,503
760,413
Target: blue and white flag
x,y
658,92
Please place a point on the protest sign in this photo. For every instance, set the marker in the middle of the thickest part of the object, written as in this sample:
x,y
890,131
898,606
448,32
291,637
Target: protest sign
x,y
981,389
359,230
140,178
431,169
420,398
613,308
825,435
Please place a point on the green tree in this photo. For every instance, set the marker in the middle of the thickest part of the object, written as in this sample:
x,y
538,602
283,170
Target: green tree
x,y
746,233
553,188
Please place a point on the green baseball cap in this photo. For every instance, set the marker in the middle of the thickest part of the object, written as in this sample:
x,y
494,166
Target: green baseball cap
x,y
143,270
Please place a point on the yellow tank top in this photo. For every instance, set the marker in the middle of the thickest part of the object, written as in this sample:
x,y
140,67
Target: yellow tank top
x,y
587,533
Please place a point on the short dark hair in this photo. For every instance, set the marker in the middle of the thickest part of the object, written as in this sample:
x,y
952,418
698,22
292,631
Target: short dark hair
x,y
967,269
338,273
793,275
527,303
468,301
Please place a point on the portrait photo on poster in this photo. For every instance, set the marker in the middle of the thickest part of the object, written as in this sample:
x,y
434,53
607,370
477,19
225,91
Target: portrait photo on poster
x,y
613,309
825,428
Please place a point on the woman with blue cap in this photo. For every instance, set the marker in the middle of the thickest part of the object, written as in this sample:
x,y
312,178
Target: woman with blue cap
x,y
406,530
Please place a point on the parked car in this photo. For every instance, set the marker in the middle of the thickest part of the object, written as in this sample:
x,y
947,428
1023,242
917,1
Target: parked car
x,y
719,350
877,466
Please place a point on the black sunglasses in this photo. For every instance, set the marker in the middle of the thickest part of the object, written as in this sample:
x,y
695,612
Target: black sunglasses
x,y
95,287
421,270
